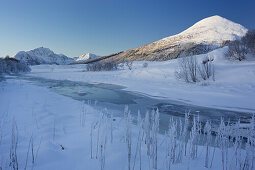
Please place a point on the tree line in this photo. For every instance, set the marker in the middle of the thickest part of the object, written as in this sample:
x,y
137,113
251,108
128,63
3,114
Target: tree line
x,y
11,65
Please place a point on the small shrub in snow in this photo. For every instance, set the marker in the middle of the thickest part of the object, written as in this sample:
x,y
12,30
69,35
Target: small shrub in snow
x,y
194,137
128,136
187,69
14,164
103,142
92,128
83,115
239,49
171,154
145,65
206,69
10,65
109,66
121,65
129,64
249,41
190,71
154,137
207,133
139,141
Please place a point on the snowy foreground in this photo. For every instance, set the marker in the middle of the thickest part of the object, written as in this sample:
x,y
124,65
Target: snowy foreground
x,y
43,130
40,129
234,88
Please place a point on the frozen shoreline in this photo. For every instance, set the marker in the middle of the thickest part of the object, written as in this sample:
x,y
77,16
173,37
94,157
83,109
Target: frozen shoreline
x,y
234,88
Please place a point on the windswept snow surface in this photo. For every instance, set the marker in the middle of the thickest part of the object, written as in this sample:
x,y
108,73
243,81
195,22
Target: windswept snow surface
x,y
234,88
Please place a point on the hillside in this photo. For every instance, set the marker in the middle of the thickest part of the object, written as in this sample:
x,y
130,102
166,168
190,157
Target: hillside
x,y
204,36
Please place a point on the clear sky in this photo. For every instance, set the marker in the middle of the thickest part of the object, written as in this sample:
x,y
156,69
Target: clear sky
x,y
74,27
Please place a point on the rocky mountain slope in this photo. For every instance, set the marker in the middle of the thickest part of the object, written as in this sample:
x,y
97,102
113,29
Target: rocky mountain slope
x,y
42,56
204,36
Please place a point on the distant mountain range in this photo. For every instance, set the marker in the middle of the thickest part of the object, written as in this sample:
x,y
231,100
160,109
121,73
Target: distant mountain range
x,y
46,56
42,56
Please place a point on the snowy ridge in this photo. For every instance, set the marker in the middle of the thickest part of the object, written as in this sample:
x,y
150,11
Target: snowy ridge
x,y
203,37
86,56
42,56
213,29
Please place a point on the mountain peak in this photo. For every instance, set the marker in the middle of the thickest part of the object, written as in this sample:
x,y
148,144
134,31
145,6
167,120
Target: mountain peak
x,y
215,21
86,56
41,51
213,18
42,55
205,35
214,29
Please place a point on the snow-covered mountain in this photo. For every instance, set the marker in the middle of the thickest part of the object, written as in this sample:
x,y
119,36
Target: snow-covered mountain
x,y
204,36
211,30
86,57
42,56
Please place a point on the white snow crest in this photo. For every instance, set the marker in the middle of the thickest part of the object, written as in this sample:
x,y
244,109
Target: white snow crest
x,y
86,56
214,29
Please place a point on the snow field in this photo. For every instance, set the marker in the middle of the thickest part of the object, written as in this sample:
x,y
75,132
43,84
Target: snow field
x,y
68,134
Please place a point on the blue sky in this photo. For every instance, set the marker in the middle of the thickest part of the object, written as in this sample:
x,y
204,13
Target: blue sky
x,y
74,27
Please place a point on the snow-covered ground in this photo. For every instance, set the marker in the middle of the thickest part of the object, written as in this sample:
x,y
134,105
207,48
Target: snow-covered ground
x,y
56,132
233,89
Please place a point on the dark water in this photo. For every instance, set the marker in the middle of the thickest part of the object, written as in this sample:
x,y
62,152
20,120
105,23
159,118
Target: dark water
x,y
114,98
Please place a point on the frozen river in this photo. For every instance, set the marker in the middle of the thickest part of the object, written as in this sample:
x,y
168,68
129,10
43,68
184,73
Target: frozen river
x,y
115,98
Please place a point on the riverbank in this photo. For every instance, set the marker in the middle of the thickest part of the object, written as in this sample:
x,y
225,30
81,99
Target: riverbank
x,y
234,88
